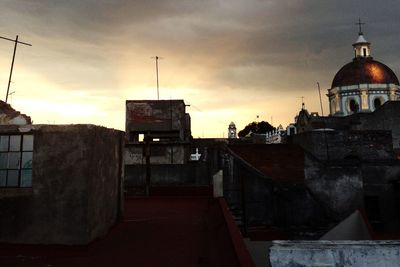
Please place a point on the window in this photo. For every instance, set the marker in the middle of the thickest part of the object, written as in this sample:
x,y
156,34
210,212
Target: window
x,y
377,102
16,153
365,52
353,105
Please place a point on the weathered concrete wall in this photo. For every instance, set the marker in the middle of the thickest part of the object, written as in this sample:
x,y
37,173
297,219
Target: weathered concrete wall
x,y
381,195
157,116
194,173
334,253
339,188
259,200
385,118
75,187
191,173
105,180
161,153
342,188
341,145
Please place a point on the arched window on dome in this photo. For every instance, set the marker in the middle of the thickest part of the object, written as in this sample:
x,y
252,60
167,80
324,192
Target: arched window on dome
x,y
377,102
352,105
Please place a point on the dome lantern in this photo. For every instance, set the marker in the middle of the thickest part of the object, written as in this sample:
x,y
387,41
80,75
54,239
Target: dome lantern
x,y
362,48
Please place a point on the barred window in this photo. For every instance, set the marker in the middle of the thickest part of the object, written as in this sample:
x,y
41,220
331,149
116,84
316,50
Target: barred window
x,y
16,153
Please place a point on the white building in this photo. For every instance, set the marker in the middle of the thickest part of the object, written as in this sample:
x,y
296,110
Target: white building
x,y
232,130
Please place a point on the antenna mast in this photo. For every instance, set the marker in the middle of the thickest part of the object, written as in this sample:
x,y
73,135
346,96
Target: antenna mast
x,y
158,88
12,62
320,99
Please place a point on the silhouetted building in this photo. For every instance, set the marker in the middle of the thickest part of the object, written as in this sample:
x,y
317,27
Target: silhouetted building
x,y
59,184
163,123
352,155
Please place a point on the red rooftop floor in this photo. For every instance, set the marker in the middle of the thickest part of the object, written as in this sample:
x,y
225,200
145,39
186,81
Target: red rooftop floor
x,y
156,231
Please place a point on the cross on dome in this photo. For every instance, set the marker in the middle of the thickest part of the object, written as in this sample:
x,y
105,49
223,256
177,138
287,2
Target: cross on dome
x,y
359,23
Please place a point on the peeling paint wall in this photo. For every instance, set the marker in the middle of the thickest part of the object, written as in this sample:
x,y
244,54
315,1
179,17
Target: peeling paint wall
x,y
165,117
334,253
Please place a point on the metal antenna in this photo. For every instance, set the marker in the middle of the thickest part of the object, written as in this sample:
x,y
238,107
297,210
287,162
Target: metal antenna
x,y
12,62
158,89
320,99
359,23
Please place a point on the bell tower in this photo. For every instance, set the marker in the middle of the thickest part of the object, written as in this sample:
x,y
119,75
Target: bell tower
x,y
232,130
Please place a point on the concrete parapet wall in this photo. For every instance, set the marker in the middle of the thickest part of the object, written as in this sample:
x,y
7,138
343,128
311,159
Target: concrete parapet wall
x,y
335,253
346,145
167,174
76,187
160,153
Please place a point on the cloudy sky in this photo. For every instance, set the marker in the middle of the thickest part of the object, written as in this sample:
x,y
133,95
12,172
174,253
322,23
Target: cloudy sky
x,y
231,60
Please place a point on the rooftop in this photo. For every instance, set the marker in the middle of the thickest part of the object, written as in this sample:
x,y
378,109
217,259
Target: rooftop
x,y
156,231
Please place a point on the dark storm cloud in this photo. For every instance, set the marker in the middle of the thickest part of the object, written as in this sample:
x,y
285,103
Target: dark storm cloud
x,y
240,44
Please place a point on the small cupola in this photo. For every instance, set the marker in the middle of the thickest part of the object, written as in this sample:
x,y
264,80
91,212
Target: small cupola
x,y
362,48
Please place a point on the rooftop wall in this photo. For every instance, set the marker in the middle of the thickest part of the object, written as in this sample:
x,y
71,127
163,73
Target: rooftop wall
x,y
347,145
264,185
76,187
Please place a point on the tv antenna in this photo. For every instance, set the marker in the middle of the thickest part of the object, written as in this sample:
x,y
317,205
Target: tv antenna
x,y
158,89
16,42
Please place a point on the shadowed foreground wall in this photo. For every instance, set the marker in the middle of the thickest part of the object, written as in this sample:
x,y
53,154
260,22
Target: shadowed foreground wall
x,y
76,187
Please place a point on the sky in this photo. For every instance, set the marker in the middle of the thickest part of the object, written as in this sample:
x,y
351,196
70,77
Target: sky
x,y
230,60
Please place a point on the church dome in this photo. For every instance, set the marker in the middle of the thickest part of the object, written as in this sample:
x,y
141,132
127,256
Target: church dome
x,y
362,85
364,71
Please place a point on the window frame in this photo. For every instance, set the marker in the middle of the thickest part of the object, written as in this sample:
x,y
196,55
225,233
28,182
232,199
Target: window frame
x,y
20,168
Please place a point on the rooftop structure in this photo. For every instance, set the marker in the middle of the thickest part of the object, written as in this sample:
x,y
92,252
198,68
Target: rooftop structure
x,y
363,84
